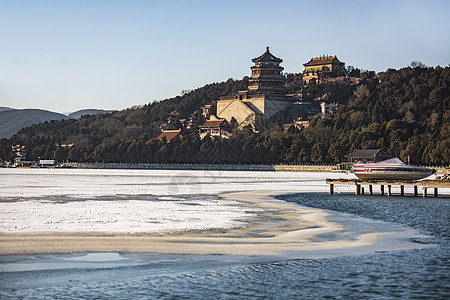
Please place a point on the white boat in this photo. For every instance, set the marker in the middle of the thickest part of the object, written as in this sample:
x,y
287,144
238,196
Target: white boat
x,y
390,169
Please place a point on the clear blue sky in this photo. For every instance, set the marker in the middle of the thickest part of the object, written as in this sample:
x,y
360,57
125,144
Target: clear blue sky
x,y
64,55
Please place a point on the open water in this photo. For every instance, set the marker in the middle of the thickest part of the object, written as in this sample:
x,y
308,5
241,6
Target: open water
x,y
412,274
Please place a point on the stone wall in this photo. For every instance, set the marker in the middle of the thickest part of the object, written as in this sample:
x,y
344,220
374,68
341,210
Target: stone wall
x,y
245,111
228,109
271,107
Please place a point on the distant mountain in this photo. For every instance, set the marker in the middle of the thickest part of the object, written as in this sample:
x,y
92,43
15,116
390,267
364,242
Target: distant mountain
x,y
12,120
79,113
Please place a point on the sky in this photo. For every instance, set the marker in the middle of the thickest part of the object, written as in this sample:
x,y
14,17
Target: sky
x,y
66,55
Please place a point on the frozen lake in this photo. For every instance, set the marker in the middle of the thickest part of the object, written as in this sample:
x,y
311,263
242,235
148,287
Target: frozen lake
x,y
80,200
59,200
132,201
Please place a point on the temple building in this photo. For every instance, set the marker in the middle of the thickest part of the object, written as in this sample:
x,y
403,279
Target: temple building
x,y
169,135
265,95
19,151
320,64
215,128
266,75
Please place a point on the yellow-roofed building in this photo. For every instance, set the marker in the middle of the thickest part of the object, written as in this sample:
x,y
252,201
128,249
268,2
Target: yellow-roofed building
x,y
315,66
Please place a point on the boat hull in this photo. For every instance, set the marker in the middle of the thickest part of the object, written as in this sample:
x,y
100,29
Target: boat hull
x,y
377,172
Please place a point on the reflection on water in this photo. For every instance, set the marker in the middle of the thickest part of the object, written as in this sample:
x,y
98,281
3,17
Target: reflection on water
x,y
416,274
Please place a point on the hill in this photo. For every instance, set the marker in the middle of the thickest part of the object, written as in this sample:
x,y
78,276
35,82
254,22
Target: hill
x,y
79,113
2,108
12,120
114,132
405,112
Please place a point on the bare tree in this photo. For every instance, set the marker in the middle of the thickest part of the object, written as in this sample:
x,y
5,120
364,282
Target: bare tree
x,y
416,63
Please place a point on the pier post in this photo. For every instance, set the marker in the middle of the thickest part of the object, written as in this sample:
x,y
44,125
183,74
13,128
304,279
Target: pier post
x,y
360,186
358,189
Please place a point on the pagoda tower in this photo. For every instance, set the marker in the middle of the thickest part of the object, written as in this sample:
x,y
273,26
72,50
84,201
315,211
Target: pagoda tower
x,y
266,75
266,94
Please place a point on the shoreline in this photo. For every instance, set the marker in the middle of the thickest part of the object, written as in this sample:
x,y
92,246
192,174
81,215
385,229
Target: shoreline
x,y
306,167
279,229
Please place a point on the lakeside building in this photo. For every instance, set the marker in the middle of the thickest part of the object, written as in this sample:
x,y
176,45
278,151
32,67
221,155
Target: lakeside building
x,y
47,163
367,155
265,96
317,65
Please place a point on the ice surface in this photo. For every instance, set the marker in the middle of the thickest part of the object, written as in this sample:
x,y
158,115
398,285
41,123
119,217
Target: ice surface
x,y
97,257
134,201
85,183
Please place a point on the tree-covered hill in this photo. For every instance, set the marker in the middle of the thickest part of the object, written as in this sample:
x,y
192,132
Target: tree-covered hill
x,y
405,112
107,130
77,114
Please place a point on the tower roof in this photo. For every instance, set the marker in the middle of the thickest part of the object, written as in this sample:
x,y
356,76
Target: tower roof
x,y
268,57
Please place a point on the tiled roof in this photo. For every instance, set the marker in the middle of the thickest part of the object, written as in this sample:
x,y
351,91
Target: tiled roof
x,y
267,56
169,134
368,153
213,123
322,60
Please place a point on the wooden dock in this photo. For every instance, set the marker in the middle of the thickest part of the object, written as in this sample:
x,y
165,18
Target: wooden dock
x,y
360,184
